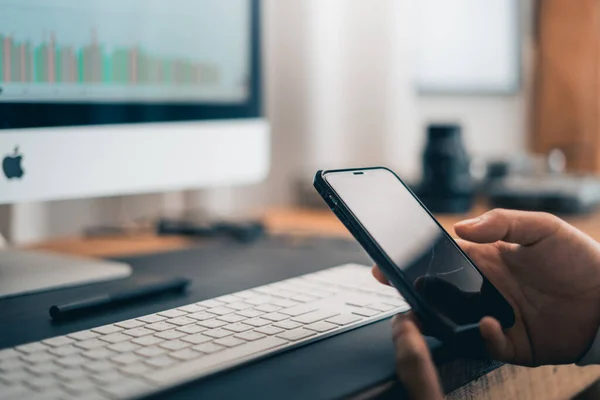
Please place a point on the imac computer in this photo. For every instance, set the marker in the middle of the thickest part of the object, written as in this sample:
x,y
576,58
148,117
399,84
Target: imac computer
x,y
111,97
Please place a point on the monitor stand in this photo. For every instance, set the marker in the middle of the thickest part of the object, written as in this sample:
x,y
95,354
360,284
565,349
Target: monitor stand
x,y
24,272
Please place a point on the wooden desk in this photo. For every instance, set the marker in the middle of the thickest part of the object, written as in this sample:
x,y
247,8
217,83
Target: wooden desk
x,y
506,382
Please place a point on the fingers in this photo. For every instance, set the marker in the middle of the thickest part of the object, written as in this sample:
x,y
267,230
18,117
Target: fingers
x,y
414,366
379,275
520,227
497,343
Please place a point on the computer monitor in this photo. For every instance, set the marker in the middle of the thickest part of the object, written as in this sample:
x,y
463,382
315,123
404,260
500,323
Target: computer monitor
x,y
107,97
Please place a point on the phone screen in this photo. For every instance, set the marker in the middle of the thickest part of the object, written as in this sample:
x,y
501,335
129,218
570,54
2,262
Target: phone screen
x,y
410,237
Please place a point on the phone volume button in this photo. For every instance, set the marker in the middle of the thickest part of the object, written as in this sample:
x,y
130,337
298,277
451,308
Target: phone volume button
x,y
333,203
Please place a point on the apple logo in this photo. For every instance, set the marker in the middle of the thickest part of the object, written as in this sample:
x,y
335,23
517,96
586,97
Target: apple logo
x,y
11,165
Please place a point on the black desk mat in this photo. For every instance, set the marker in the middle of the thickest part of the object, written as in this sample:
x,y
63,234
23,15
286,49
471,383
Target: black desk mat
x,y
332,368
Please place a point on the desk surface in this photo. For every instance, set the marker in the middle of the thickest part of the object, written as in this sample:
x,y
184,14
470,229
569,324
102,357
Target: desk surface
x,y
552,382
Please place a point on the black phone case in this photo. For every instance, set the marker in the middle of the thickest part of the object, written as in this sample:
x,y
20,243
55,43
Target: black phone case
x,y
464,340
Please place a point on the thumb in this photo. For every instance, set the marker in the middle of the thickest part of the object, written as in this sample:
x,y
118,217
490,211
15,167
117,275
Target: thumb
x,y
497,343
520,227
414,365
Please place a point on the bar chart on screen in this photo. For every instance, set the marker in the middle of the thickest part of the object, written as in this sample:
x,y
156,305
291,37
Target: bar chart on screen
x,y
134,50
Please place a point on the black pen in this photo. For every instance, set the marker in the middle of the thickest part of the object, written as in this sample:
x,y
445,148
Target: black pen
x,y
85,306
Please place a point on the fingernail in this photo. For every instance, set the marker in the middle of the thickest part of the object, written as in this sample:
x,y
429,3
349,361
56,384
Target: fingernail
x,y
469,222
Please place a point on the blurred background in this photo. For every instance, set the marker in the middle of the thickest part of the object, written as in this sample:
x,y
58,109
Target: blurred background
x,y
468,101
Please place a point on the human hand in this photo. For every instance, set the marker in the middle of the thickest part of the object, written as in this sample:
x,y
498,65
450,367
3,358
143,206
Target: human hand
x,y
414,366
550,274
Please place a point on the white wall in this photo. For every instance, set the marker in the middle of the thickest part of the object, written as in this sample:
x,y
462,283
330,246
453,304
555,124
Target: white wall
x,y
338,93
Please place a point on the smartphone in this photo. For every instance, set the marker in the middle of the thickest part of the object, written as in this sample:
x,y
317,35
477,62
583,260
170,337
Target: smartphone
x,y
442,285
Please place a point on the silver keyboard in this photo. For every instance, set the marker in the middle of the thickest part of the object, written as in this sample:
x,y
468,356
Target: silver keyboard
x,y
145,355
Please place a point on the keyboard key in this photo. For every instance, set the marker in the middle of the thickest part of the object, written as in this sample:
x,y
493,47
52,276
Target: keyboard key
x,y
16,392
174,345
246,294
259,300
217,333
239,305
115,338
70,374
344,319
130,324
286,294
268,308
107,329
296,334
31,347
191,329
201,316
109,377
83,335
284,303
228,299
287,324
298,310
212,323
185,354
365,312
208,348
237,328
172,313
151,351
72,361
18,375
250,313
304,298
9,353
42,369
396,302
80,386
193,368
147,340
221,310
269,330
160,326
129,387
124,347
100,354
210,303
230,341
161,361
275,317
135,369
192,308
42,382
381,307
151,319
231,318
170,335
126,358
321,326
65,351
315,316
57,341
138,332
250,335
90,344
359,302
14,363
257,322
99,366
36,358
181,321
197,338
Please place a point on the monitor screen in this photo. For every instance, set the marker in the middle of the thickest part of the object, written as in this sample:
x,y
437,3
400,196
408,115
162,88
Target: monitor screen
x,y
73,62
